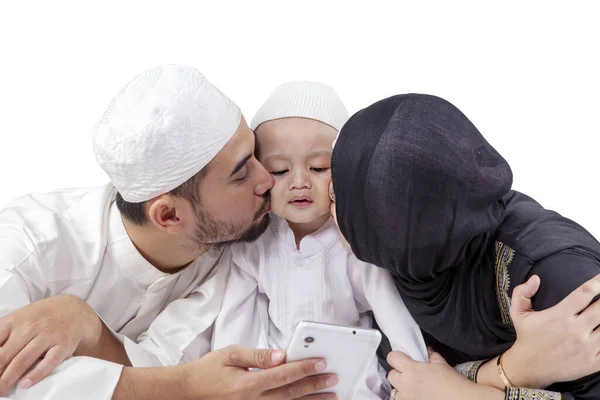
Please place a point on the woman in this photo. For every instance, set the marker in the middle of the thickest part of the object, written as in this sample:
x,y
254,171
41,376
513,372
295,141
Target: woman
x,y
421,193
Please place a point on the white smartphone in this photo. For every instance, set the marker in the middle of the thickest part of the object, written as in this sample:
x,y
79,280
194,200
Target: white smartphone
x,y
347,350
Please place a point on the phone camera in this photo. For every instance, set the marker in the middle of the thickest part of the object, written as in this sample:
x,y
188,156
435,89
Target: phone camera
x,y
309,339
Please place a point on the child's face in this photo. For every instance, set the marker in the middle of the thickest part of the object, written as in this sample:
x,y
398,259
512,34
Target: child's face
x,y
297,152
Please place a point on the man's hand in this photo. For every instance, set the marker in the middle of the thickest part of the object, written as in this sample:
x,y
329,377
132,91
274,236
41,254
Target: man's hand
x,y
229,376
50,329
224,374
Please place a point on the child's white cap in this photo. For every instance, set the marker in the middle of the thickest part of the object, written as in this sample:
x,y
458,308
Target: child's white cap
x,y
303,99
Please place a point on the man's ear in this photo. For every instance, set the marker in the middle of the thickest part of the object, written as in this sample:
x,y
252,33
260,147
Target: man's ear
x,y
165,213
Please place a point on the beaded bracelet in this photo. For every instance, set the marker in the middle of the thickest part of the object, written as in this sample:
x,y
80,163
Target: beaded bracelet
x,y
513,393
470,369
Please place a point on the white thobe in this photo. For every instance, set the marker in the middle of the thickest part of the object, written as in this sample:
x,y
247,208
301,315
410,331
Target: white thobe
x,y
273,285
74,242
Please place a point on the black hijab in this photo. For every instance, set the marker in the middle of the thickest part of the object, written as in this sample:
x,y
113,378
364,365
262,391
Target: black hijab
x,y
420,192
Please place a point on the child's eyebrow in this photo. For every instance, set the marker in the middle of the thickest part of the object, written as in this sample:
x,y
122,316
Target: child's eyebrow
x,y
320,153
271,157
314,154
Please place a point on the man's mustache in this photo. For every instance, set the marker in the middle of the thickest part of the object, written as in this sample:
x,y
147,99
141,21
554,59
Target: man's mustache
x,y
264,206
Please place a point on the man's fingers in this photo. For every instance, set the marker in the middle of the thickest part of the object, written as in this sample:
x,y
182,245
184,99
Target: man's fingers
x,y
51,360
243,357
521,297
22,362
581,297
399,360
4,332
11,348
283,375
305,387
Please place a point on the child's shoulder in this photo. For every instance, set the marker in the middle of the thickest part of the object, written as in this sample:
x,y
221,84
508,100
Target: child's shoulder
x,y
254,251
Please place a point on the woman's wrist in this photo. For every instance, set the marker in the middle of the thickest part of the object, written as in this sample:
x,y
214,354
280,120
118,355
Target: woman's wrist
x,y
488,375
482,392
521,371
516,370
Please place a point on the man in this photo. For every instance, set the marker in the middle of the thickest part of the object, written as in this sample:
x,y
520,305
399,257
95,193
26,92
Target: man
x,y
141,262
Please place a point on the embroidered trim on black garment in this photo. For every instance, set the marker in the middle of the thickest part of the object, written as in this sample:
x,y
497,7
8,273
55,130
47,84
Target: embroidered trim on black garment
x,y
511,393
504,256
470,369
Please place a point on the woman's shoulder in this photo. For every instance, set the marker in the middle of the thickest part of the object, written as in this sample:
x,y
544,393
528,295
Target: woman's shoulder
x,y
535,233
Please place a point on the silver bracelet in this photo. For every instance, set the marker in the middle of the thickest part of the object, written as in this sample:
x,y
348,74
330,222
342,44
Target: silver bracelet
x,y
514,393
470,369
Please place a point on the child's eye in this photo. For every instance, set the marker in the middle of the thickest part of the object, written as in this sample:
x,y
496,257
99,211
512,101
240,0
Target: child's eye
x,y
281,172
319,169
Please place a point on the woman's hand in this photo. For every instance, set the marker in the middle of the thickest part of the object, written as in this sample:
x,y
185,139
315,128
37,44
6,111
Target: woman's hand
x,y
555,345
434,380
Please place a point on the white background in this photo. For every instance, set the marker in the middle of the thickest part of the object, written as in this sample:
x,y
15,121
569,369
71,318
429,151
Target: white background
x,y
525,72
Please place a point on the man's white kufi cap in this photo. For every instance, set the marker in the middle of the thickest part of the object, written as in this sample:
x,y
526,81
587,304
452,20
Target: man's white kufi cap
x,y
162,128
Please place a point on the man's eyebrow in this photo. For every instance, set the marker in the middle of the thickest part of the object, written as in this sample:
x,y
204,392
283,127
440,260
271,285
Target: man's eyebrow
x,y
240,165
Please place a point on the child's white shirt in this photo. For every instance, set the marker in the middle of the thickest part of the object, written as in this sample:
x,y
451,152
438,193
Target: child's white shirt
x,y
273,285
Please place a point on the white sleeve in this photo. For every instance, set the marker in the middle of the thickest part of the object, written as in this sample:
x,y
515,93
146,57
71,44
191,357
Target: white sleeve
x,y
374,288
23,281
244,317
22,275
182,332
76,378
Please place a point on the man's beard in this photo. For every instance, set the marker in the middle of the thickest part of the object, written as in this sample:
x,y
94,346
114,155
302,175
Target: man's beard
x,y
212,233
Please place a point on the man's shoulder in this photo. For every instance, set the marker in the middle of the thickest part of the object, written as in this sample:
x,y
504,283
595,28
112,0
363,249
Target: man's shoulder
x,y
46,211
64,232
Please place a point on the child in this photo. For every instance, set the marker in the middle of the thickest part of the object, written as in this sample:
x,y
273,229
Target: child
x,y
300,269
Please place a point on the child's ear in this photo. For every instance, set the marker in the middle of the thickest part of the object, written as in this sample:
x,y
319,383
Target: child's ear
x,y
331,193
334,217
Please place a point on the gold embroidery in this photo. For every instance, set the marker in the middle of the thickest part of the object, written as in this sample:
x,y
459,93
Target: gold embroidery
x,y
511,393
504,256
469,369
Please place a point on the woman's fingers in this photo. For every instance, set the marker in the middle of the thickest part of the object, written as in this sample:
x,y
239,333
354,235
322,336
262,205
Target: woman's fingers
x,y
581,297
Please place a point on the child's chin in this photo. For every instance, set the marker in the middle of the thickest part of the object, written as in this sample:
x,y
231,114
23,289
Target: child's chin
x,y
299,220
304,219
